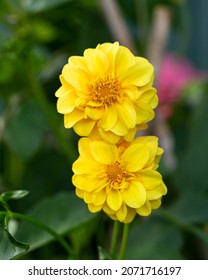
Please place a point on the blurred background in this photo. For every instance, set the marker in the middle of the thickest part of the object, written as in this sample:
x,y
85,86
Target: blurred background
x,y
36,151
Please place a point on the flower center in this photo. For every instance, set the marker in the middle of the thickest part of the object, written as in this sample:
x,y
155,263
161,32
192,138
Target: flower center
x,y
105,91
115,174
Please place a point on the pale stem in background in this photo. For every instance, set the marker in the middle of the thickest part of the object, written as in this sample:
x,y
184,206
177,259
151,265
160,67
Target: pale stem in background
x,y
117,24
161,27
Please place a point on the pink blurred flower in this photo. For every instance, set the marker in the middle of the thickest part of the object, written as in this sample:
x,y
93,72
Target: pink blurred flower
x,y
174,75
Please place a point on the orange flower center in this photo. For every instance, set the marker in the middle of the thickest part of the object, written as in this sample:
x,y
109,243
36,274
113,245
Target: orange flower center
x,y
116,173
105,91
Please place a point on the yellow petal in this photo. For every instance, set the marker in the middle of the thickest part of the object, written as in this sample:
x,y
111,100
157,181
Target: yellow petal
x,y
109,118
84,165
121,213
124,59
107,209
77,61
141,126
76,77
135,195
154,102
131,92
96,184
94,208
114,199
84,147
149,97
127,114
139,74
135,157
79,193
130,135
113,217
150,179
110,50
64,83
99,198
145,210
84,127
73,117
94,113
79,181
87,184
66,103
146,139
144,112
62,91
131,213
157,192
97,61
120,128
157,158
88,197
109,136
103,152
153,147
155,204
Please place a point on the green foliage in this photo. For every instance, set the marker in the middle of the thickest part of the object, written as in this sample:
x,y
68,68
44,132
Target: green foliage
x,y
4,197
27,127
194,164
35,6
63,212
157,238
10,247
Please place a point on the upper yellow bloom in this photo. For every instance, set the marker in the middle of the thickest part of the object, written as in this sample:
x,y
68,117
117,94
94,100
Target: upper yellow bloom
x,y
119,179
107,92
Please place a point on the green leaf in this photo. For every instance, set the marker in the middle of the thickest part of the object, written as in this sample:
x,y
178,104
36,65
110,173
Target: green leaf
x,y
191,207
183,223
192,166
35,6
154,239
61,212
80,237
13,195
9,246
25,130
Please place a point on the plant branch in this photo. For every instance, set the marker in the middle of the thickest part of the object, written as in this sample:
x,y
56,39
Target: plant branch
x,y
117,23
45,228
115,236
124,242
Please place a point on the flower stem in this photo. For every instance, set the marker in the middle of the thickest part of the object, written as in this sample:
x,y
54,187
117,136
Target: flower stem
x,y
47,229
124,242
115,235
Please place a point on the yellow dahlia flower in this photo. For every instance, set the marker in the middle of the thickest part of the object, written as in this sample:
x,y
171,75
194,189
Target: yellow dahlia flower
x,y
119,179
107,92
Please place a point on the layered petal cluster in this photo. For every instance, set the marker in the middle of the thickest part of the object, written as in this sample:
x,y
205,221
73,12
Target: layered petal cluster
x,y
120,179
107,92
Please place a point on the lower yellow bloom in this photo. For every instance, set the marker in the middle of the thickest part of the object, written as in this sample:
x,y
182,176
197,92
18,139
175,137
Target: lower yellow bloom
x,y
119,179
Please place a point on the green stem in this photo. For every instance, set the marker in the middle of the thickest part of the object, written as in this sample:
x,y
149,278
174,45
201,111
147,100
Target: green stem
x,y
44,227
115,235
124,242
